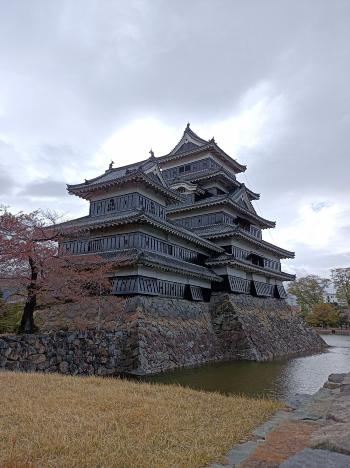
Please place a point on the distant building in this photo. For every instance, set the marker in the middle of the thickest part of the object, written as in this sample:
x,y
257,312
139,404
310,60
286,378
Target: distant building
x,y
330,296
180,225
291,300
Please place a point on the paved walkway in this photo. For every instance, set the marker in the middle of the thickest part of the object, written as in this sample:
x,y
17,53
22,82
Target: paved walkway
x,y
313,431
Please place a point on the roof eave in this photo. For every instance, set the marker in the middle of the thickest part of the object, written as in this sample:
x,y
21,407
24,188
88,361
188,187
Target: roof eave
x,y
282,253
82,189
264,223
246,266
209,146
142,217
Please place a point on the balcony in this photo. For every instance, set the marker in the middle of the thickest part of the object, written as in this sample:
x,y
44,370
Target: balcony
x,y
252,231
254,259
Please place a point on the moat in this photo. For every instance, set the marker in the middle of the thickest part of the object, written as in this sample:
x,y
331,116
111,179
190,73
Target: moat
x,y
282,378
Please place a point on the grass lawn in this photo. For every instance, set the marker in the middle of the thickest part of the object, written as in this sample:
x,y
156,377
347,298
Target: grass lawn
x,y
51,420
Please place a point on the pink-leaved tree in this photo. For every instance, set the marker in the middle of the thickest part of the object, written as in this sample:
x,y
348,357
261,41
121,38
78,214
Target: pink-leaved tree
x,y
29,256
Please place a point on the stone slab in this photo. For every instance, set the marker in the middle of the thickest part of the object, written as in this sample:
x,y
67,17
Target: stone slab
x,y
314,458
241,451
297,400
285,440
316,407
274,421
339,409
334,437
344,389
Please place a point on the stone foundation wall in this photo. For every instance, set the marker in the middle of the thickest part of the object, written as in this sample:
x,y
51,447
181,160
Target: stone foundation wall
x,y
152,334
262,328
77,352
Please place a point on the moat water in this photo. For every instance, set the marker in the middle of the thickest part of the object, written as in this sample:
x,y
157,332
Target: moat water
x,y
282,378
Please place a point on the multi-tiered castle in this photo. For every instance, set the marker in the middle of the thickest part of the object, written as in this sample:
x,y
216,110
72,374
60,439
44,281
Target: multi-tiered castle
x,y
179,225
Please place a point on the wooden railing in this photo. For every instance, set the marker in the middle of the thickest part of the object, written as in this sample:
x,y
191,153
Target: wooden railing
x,y
272,264
253,231
149,286
191,167
242,254
131,201
133,240
192,222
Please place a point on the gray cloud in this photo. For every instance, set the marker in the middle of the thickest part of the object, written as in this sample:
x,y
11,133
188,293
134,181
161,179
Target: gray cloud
x,y
320,261
44,189
6,184
74,72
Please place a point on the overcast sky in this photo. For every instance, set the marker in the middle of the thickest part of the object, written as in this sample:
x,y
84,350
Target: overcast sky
x,y
83,82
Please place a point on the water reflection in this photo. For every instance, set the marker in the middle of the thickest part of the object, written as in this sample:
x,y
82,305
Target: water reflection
x,y
282,378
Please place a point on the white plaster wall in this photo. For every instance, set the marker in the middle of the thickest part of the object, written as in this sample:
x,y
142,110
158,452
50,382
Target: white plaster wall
x,y
226,270
257,277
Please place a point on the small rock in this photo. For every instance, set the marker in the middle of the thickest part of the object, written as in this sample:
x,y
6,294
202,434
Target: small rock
x,y
64,367
331,385
37,358
336,378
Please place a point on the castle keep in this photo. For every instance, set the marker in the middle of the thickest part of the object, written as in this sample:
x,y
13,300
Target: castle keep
x,y
193,280
179,225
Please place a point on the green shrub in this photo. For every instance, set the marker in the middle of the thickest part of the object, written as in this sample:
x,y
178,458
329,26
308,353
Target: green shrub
x,y
10,317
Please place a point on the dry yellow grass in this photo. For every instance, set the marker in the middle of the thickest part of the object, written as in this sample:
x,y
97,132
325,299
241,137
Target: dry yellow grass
x,y
58,421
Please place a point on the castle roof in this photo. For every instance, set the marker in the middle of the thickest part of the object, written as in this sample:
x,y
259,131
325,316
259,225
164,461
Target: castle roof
x,y
128,257
239,200
88,223
146,171
230,260
217,174
190,143
219,231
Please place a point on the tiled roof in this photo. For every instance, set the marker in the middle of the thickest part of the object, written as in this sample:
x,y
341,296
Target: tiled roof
x,y
161,262
111,174
210,146
212,174
190,143
228,230
219,200
186,147
227,259
86,223
215,230
132,172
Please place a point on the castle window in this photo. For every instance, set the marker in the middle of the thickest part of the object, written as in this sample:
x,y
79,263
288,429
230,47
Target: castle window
x,y
111,205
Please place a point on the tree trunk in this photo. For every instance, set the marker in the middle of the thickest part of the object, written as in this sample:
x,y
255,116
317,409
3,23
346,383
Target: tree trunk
x,y
27,322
